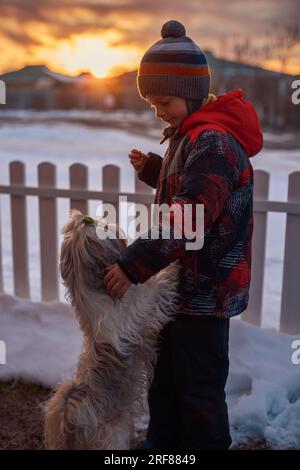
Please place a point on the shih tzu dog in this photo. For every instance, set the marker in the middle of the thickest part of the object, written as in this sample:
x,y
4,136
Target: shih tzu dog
x,y
98,406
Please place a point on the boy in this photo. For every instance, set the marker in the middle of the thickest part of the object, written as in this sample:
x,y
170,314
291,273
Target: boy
x,y
207,162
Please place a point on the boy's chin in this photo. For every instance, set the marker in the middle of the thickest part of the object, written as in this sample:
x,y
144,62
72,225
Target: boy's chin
x,y
173,122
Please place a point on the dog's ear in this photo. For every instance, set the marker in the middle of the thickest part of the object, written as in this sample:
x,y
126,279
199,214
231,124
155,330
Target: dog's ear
x,y
66,265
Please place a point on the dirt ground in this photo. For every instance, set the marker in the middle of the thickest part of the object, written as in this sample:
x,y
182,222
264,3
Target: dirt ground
x,y
21,415
21,412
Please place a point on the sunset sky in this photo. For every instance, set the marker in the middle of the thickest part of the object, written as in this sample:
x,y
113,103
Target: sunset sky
x,y
108,37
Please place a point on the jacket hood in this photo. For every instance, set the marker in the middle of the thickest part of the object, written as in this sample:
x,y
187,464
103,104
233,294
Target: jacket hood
x,y
232,112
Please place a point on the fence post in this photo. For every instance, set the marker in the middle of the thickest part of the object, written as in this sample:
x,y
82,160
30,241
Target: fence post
x,y
78,175
254,310
290,299
48,233
19,231
111,183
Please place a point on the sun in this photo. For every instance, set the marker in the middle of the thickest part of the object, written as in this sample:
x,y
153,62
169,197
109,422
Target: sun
x,y
91,53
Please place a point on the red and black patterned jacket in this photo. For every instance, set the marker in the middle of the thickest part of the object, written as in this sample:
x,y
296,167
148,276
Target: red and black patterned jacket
x,y
207,162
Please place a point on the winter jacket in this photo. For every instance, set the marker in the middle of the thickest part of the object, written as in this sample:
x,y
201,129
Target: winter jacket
x,y
207,162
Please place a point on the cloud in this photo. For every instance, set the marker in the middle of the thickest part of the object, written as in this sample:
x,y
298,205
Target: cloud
x,y
138,22
137,19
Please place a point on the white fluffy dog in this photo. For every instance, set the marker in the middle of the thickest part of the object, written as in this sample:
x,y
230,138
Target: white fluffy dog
x,y
98,407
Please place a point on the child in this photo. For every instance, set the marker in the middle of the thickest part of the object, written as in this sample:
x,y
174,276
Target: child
x,y
207,162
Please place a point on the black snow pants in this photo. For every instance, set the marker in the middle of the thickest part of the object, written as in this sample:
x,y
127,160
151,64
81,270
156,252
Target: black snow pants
x,y
187,402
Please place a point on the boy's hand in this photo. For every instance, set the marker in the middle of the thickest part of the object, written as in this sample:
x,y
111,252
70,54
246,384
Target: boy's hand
x,y
115,281
137,159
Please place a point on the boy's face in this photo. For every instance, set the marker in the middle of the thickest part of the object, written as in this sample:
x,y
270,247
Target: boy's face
x,y
171,109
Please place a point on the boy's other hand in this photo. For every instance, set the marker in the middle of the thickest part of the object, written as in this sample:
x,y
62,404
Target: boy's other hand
x,y
137,159
115,281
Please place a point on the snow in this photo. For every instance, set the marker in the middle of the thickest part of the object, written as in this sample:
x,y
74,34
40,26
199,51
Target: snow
x,y
43,342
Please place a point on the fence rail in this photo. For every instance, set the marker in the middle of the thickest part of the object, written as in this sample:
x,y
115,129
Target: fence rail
x,y
79,195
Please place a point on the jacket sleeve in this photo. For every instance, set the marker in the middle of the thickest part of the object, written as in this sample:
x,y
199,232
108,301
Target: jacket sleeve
x,y
151,170
207,179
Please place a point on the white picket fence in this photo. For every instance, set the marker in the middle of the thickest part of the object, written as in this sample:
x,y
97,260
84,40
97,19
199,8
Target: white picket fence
x,y
78,195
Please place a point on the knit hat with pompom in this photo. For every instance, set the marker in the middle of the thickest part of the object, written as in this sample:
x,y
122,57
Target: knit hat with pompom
x,y
175,66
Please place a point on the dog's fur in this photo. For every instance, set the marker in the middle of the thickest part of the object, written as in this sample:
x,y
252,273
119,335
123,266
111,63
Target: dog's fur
x,y
98,407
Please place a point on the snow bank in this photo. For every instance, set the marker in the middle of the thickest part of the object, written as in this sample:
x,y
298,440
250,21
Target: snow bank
x,y
263,389
43,342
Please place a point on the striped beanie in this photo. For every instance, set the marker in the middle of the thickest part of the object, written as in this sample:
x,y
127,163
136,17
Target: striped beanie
x,y
174,66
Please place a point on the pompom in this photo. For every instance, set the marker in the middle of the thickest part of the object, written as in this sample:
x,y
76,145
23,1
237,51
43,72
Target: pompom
x,y
172,29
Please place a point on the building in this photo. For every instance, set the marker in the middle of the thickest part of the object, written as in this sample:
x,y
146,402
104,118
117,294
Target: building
x,y
37,87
